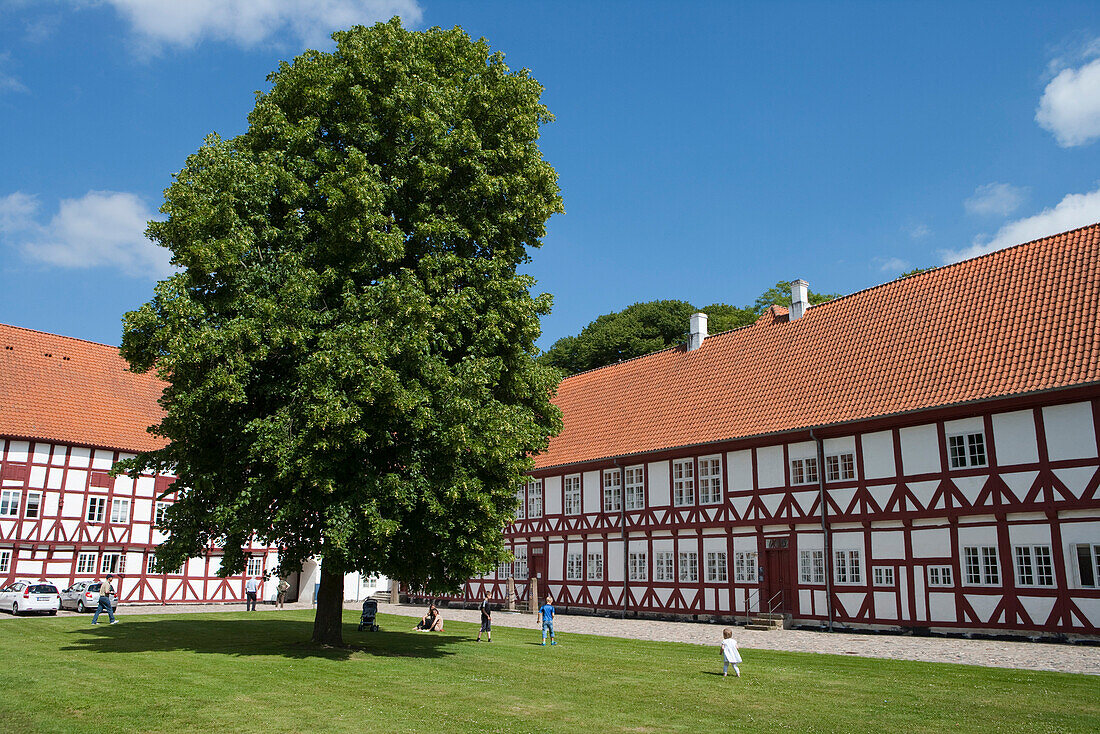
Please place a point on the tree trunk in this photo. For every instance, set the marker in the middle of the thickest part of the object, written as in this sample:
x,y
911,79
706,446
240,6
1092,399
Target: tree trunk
x,y
328,623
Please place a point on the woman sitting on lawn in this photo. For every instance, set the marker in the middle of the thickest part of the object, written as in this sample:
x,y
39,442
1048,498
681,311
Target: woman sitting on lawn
x,y
430,622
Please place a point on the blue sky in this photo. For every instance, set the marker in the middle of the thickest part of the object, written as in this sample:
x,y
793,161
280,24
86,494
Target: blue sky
x,y
705,150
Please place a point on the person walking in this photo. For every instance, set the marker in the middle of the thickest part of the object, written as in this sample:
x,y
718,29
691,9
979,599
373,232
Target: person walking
x,y
546,615
486,619
106,591
282,588
251,587
730,654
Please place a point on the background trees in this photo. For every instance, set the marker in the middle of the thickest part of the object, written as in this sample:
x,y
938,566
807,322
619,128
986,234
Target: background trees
x,y
348,345
643,328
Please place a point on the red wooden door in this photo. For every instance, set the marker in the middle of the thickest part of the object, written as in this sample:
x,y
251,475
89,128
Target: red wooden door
x,y
538,564
777,576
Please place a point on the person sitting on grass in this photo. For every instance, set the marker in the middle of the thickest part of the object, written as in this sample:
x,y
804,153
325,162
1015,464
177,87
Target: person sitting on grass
x,y
430,622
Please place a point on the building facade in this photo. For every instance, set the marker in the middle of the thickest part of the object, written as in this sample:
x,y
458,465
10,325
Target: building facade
x,y
920,455
70,409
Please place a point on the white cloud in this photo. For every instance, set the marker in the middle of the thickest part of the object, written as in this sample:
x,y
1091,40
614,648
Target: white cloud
x,y
892,264
919,231
185,23
1073,211
1070,105
995,199
9,83
100,229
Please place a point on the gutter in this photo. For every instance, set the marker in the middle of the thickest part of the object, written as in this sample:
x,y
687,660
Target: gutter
x,y
826,541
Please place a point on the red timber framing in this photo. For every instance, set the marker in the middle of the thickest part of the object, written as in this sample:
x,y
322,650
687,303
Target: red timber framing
x,y
923,544
86,523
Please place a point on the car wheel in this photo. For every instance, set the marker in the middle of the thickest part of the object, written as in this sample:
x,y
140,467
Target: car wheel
x,y
15,609
80,606
53,612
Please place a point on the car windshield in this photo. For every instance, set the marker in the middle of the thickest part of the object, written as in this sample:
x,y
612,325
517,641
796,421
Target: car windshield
x,y
43,589
93,587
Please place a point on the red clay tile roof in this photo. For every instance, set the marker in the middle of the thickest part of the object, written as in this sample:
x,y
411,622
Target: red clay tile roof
x,y
1015,321
68,390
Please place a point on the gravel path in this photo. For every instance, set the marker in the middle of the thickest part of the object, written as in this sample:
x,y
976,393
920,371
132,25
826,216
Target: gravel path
x,y
1063,658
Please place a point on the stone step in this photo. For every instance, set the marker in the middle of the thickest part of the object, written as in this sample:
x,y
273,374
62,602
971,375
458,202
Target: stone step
x,y
773,615
762,627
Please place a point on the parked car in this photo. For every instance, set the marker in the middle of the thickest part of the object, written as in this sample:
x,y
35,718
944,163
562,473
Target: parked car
x,y
30,596
83,596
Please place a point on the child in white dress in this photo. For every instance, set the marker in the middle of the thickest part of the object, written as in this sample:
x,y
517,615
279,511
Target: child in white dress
x,y
730,653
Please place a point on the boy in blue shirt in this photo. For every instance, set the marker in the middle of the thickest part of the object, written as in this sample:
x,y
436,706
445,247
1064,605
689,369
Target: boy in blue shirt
x,y
546,614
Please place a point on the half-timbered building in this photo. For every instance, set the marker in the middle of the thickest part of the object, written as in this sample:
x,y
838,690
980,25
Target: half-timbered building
x,y
919,455
70,409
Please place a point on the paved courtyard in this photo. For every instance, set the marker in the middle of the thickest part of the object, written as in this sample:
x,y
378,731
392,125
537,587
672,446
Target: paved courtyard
x,y
992,653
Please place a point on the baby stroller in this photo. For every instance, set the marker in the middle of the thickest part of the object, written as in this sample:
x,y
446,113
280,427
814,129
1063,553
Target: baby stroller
x,y
370,611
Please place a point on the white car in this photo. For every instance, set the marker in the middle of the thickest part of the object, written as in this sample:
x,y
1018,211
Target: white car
x,y
30,596
83,596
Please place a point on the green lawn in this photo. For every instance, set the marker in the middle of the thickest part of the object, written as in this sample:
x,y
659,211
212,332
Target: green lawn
x,y
238,672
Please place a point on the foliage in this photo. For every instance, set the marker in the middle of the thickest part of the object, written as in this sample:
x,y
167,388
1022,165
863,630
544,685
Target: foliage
x,y
349,345
250,673
914,271
644,328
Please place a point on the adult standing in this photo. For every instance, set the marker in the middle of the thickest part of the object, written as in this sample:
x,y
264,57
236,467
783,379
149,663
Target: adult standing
x,y
546,615
106,591
282,588
251,587
486,619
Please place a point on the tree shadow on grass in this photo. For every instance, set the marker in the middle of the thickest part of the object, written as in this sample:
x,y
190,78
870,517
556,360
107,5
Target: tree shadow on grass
x,y
263,635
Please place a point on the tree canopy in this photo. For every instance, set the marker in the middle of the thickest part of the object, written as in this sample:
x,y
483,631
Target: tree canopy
x,y
644,328
349,344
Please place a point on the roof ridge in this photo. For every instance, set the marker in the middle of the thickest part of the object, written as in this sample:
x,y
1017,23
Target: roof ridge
x,y
947,266
59,336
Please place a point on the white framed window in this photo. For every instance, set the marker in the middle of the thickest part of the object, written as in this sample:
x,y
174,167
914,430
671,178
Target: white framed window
x,y
120,511
159,514
883,575
980,565
255,566
710,480
521,502
966,450
639,567
744,567
112,563
595,566
804,471
1087,559
689,566
840,467
662,566
939,576
97,509
85,563
534,498
846,567
811,566
149,561
573,567
1034,566
504,569
612,491
634,489
5,561
520,565
683,482
573,495
9,502
33,510
716,566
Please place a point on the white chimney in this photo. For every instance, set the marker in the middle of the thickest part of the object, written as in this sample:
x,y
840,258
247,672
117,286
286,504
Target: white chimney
x,y
800,298
698,331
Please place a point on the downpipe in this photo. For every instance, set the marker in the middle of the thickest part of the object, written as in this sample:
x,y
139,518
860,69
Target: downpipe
x,y
826,540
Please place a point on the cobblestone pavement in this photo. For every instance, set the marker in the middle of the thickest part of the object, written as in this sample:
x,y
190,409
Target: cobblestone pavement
x,y
991,653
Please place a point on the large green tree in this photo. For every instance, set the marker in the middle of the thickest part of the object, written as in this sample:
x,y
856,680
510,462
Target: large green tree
x,y
644,328
348,345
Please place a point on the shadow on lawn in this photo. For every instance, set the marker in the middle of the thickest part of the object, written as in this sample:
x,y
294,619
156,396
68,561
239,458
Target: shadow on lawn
x,y
263,636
